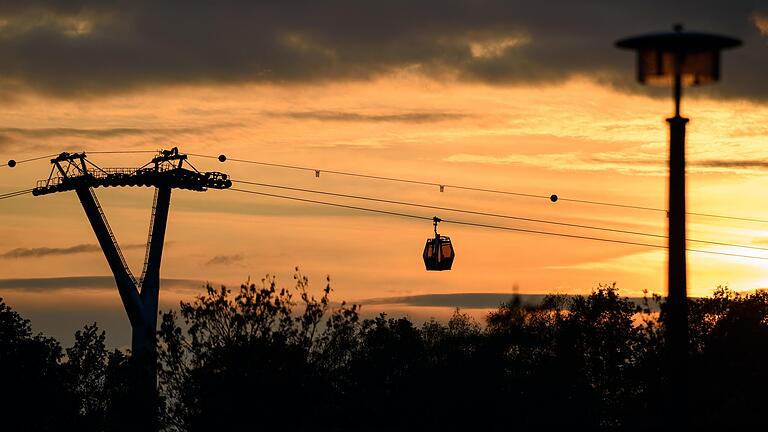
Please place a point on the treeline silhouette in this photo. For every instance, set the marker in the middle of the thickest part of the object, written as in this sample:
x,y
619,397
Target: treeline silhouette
x,y
269,358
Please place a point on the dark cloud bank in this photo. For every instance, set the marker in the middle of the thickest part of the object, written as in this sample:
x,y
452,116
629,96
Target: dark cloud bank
x,y
46,138
226,259
89,283
49,251
461,300
344,116
464,300
75,48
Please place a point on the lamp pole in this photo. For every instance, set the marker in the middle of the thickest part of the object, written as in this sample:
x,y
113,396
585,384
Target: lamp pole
x,y
693,59
677,295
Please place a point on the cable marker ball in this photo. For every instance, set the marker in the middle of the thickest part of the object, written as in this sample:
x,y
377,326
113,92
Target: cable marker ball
x,y
222,158
553,198
11,163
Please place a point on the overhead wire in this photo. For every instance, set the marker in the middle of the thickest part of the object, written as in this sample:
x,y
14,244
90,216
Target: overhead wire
x,y
467,223
120,151
15,193
442,186
490,226
28,160
16,162
458,210
456,222
367,176
489,214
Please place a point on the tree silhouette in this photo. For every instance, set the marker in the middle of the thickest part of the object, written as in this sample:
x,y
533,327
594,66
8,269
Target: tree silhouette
x,y
251,353
99,381
45,388
33,396
264,358
729,356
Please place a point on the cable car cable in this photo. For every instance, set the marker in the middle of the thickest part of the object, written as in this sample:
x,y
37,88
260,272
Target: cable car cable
x,y
12,196
442,186
457,222
479,213
480,225
476,189
15,194
393,213
120,151
12,163
497,215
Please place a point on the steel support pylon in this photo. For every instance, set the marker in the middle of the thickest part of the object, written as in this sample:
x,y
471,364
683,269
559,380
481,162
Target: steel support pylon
x,y
140,298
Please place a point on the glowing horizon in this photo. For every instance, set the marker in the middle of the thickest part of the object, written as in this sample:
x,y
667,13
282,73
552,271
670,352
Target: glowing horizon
x,y
584,136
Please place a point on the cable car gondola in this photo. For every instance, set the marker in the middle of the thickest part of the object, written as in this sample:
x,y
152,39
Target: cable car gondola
x,y
438,252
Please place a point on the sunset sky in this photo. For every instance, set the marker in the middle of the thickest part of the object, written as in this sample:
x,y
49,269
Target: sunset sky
x,y
529,97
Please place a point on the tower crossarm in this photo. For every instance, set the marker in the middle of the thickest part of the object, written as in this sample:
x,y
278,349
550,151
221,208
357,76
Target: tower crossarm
x,y
73,170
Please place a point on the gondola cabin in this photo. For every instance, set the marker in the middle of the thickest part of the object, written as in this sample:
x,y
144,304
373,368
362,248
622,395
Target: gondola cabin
x,y
438,252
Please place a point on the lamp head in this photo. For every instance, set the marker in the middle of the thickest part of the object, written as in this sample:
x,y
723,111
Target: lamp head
x,y
697,54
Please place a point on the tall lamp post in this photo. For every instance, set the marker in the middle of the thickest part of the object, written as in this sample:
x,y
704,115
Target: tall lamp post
x,y
678,59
